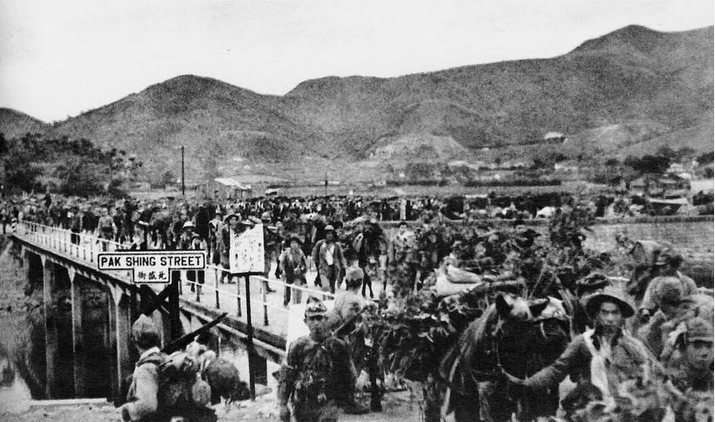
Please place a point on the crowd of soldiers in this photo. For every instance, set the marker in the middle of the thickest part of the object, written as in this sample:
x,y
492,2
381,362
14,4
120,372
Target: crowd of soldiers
x,y
659,326
85,214
673,338
662,320
171,224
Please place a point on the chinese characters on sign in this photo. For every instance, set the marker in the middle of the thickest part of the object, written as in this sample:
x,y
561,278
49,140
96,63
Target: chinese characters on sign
x,y
151,275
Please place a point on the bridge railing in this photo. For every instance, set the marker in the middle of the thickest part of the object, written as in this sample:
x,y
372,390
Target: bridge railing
x,y
81,245
261,283
212,292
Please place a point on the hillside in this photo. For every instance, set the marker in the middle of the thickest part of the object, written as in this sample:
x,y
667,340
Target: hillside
x,y
14,124
632,88
699,137
421,147
216,122
629,75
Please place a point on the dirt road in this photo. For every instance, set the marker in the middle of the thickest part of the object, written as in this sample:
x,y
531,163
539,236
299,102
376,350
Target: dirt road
x,y
398,407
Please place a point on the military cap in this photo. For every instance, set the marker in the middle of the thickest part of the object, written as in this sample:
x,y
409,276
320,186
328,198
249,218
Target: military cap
x,y
609,294
188,225
354,273
144,331
354,277
230,216
591,283
329,228
670,291
314,306
699,330
668,256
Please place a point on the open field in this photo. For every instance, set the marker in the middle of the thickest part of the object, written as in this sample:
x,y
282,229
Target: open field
x,y
347,189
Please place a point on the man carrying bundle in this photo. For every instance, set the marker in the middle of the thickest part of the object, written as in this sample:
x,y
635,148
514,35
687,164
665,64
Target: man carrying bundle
x,y
164,388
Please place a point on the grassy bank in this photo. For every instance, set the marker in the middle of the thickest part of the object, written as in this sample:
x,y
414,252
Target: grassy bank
x,y
18,314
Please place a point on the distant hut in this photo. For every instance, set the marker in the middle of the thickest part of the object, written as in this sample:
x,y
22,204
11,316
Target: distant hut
x,y
227,188
555,138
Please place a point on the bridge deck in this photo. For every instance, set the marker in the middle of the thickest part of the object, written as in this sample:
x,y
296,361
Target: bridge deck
x,y
268,315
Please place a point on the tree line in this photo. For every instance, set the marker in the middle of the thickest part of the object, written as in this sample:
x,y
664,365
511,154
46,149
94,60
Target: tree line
x,y
73,167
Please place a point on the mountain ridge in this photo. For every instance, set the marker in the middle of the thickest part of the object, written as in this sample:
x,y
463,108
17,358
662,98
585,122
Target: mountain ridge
x,y
14,123
634,74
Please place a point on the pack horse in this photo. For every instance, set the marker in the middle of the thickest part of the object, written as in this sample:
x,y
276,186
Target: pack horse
x,y
514,335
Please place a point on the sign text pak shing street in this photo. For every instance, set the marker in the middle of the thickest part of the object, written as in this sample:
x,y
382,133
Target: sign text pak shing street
x,y
152,266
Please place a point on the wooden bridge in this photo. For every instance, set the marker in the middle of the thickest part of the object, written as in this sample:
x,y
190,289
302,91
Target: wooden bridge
x,y
77,295
89,312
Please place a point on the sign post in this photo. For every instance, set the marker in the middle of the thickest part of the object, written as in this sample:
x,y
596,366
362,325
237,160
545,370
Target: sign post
x,y
246,258
249,339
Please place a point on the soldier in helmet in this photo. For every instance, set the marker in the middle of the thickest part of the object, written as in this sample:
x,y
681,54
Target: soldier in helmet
x,y
666,266
691,366
316,369
602,357
293,265
189,240
271,246
672,308
329,259
142,399
155,395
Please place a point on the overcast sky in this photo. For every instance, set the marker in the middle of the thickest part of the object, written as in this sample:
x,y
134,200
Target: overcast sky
x,y
59,58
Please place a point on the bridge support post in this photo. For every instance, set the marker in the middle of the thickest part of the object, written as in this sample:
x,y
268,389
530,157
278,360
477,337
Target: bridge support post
x,y
121,326
78,350
51,337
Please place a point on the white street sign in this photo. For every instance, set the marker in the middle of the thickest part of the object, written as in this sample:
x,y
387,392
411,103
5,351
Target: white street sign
x,y
152,266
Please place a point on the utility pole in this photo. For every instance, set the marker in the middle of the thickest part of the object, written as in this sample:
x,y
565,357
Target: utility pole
x,y
183,181
326,184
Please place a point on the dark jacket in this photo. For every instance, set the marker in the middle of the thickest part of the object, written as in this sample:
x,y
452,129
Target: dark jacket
x,y
315,373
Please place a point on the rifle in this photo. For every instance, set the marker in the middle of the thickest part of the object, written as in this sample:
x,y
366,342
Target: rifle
x,y
188,338
342,330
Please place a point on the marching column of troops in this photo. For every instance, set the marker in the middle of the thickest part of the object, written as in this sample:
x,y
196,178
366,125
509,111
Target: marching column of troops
x,y
670,332
669,335
662,321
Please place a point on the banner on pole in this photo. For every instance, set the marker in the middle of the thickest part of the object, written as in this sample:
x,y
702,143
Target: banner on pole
x,y
246,253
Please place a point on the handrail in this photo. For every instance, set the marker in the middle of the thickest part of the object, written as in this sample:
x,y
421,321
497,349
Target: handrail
x,y
93,240
85,247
